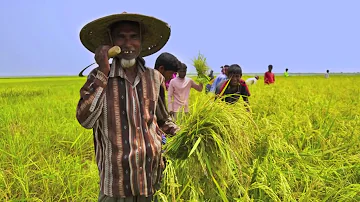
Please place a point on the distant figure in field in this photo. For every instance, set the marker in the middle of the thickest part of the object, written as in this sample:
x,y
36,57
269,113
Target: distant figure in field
x,y
286,73
252,81
236,88
327,74
208,86
269,77
211,75
179,91
223,76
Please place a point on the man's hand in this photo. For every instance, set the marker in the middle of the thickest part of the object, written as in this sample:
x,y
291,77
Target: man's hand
x,y
102,59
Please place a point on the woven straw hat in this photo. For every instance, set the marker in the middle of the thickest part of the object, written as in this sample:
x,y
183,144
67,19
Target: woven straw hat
x,y
155,33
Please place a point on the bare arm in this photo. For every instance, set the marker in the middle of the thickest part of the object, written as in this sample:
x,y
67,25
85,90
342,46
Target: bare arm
x,y
198,87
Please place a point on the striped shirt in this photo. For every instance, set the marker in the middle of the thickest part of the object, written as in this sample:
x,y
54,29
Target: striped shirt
x,y
127,137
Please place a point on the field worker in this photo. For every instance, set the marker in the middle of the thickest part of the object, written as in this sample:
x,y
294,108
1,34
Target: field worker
x,y
236,87
286,73
327,74
167,64
168,82
211,77
179,91
269,77
220,78
118,103
252,81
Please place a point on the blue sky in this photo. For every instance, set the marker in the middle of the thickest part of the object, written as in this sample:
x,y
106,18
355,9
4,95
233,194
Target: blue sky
x,y
41,37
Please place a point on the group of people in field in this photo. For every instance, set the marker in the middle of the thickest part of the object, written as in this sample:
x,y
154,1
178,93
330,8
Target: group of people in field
x,y
124,102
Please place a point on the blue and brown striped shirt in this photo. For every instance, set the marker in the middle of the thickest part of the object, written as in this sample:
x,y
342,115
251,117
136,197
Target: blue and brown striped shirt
x,y
127,137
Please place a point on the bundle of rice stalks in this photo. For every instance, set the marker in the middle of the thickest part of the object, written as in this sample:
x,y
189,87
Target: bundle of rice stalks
x,y
201,68
210,149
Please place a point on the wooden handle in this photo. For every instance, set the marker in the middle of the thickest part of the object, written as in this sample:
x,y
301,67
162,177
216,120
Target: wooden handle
x,y
115,50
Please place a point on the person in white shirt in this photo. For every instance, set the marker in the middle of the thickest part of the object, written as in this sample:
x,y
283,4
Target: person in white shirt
x,y
251,81
327,74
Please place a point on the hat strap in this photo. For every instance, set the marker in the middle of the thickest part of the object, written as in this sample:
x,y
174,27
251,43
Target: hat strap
x,y
109,33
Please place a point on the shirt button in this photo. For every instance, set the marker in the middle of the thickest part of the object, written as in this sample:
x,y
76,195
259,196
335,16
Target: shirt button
x,y
138,128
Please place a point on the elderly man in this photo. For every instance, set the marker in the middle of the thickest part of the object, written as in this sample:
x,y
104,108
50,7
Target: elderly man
x,y
118,103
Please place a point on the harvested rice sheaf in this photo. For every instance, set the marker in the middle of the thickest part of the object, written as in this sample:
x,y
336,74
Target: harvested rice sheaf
x,y
212,146
201,68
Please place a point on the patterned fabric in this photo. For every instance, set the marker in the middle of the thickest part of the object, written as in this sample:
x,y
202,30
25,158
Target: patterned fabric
x,y
127,137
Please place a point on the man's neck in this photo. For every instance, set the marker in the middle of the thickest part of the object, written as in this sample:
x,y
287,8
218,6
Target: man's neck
x,y
133,70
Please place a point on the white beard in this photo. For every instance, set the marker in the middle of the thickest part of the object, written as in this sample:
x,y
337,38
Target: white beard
x,y
127,63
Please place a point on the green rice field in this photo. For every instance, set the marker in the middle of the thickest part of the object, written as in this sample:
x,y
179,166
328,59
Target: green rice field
x,y
301,142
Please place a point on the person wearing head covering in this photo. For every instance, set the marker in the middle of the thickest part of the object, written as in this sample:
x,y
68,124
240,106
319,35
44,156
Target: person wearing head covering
x,y
252,81
220,78
119,103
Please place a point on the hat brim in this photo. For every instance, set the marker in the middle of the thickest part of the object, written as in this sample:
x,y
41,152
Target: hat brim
x,y
155,33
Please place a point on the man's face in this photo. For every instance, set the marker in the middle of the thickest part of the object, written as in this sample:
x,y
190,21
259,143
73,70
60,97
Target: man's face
x,y
182,72
235,79
127,36
168,74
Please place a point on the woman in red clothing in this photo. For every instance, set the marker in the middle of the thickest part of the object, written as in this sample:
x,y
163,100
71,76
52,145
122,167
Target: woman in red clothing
x,y
269,77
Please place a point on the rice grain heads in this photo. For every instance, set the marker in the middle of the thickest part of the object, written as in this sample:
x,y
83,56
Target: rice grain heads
x,y
211,148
